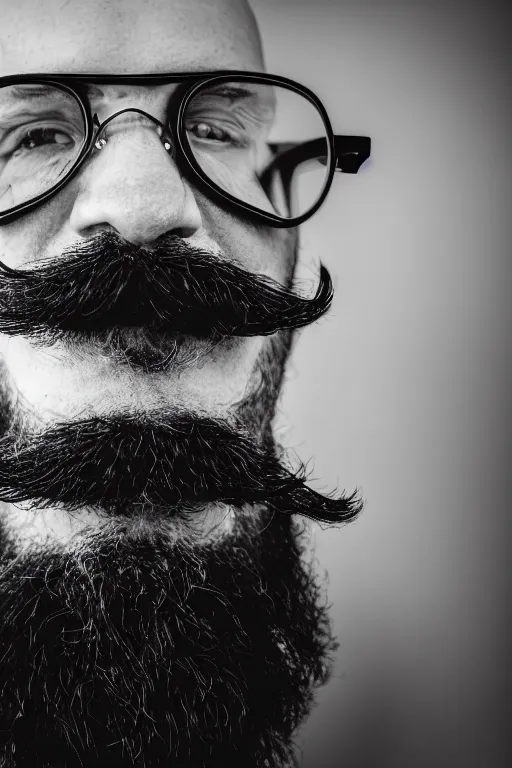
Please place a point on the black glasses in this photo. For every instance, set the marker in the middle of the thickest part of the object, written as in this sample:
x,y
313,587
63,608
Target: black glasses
x,y
260,143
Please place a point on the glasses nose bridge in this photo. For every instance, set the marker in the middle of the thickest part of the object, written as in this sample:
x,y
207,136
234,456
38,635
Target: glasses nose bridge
x,y
100,140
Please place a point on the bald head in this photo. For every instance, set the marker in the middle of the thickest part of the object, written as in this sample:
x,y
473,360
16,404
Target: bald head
x,y
127,36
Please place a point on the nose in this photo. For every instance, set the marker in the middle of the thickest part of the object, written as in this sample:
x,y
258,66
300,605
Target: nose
x,y
132,185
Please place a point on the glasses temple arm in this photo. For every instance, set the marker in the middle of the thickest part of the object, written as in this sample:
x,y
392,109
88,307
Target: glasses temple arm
x,y
351,152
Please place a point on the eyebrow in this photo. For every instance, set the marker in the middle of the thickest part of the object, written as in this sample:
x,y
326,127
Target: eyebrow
x,y
33,94
237,94
228,90
32,91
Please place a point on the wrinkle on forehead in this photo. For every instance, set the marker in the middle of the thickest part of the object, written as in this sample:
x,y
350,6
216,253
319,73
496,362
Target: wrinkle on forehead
x,y
127,36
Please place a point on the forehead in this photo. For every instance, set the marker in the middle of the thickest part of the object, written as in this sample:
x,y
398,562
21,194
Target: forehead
x,y
127,36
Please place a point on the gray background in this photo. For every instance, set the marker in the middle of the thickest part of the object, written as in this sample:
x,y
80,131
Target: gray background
x,y
404,389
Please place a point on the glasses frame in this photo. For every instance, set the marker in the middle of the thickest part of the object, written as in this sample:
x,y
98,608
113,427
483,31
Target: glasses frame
x,y
345,153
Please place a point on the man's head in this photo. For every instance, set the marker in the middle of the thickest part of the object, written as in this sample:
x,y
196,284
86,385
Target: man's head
x,y
155,607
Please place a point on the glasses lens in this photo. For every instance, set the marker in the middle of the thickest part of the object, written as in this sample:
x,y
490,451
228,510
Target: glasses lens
x,y
264,144
42,133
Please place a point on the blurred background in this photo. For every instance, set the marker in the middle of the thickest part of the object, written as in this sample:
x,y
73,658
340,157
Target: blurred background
x,y
403,390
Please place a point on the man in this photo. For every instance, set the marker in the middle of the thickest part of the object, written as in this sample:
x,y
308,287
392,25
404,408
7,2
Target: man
x,y
155,606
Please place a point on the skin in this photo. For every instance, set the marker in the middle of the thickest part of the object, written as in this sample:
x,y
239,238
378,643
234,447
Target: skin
x,y
189,639
133,188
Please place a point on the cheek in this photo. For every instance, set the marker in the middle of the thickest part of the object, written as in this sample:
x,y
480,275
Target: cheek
x,y
260,249
36,234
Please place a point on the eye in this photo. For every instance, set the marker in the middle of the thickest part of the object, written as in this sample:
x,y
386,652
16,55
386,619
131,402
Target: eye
x,y
210,132
39,137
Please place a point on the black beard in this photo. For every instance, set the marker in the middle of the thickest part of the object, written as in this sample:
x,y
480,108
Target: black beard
x,y
146,652
107,284
140,649
174,462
